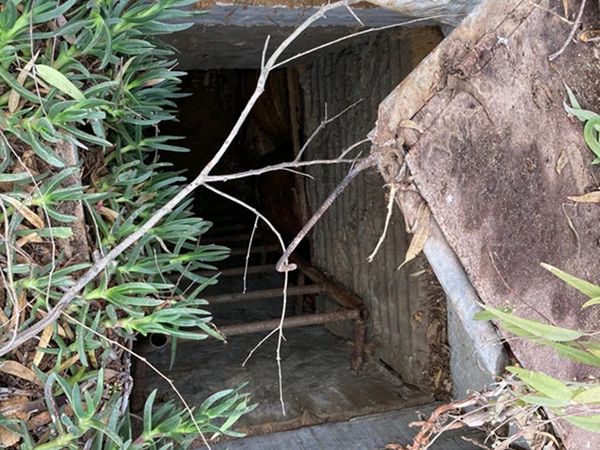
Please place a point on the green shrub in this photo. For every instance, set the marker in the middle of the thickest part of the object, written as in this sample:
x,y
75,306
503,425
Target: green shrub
x,y
84,87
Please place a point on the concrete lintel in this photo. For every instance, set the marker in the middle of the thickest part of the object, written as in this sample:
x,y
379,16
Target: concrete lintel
x,y
477,354
286,17
233,36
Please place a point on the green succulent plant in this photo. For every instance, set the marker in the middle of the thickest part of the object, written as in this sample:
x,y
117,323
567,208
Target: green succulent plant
x,y
84,86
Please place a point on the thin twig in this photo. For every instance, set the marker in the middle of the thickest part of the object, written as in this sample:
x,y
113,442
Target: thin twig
x,y
283,265
8,279
279,328
353,14
276,167
511,290
248,253
390,208
280,341
257,346
360,33
352,147
576,24
326,121
572,227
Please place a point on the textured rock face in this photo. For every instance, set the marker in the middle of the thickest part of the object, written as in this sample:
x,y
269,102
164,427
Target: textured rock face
x,y
487,166
447,12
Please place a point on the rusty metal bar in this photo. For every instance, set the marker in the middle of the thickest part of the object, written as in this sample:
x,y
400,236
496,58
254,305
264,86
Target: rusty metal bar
x,y
333,289
233,271
291,322
358,346
233,238
222,228
264,294
256,249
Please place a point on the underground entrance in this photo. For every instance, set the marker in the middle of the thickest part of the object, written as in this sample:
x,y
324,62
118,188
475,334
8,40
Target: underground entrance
x,y
360,338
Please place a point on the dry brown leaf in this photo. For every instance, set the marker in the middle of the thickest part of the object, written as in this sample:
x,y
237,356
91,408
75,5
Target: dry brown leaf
x,y
39,420
19,370
68,362
22,301
64,332
92,358
31,237
589,36
13,96
437,378
44,341
108,213
419,238
3,319
562,161
8,438
31,217
407,123
590,197
15,407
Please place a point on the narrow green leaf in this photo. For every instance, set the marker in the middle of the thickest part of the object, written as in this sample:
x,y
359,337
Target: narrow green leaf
x,y
575,353
56,79
589,423
547,385
42,151
590,395
591,135
591,302
585,287
545,401
536,328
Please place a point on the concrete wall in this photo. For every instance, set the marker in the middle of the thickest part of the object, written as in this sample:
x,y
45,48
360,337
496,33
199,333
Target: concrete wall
x,y
232,34
401,312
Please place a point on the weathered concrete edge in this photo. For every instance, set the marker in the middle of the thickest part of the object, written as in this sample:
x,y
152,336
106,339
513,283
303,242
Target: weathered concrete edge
x,y
283,16
463,301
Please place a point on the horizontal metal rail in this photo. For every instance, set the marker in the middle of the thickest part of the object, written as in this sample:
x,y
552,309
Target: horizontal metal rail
x,y
264,294
291,322
223,228
333,289
233,271
256,249
244,237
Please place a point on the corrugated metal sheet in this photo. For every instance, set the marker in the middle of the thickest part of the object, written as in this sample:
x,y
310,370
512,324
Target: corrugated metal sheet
x,y
342,240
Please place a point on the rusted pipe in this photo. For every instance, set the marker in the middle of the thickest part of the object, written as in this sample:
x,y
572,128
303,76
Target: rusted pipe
x,y
291,322
333,289
256,249
264,294
244,237
358,346
234,271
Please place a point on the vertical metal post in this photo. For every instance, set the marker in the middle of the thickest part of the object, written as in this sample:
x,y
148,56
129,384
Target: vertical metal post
x,y
358,346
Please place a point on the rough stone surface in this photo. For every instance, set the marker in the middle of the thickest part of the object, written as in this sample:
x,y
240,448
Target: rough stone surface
x,y
491,107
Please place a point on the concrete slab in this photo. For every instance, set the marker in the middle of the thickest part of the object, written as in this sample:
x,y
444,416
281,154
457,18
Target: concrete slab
x,y
318,383
364,433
